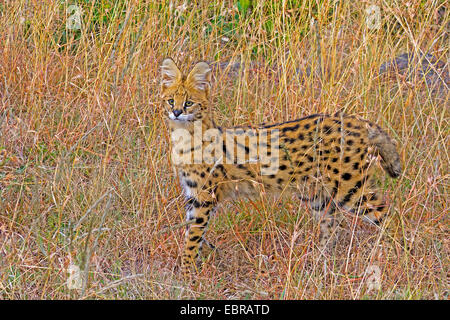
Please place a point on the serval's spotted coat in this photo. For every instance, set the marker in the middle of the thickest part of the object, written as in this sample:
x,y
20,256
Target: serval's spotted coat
x,y
324,159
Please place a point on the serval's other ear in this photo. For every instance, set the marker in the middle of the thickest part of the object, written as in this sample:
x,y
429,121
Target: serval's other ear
x,y
200,77
170,73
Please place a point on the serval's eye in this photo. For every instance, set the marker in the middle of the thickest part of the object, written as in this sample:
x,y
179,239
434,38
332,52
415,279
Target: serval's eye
x,y
188,104
171,102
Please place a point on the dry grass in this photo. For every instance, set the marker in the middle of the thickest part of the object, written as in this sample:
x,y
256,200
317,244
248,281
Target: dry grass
x,y
85,178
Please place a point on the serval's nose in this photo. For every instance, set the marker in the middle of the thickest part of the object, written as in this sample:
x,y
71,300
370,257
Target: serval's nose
x,y
177,112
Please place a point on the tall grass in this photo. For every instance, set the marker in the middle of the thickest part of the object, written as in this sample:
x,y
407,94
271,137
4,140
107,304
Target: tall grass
x,y
85,180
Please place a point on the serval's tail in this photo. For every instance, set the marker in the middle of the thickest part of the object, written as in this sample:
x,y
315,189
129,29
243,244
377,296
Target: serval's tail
x,y
386,148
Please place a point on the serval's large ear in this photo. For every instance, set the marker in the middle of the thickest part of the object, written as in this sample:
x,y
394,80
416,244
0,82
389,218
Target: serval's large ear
x,y
200,77
170,73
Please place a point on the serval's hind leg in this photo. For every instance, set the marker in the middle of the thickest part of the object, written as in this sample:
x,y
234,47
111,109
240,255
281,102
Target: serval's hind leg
x,y
371,206
367,203
329,219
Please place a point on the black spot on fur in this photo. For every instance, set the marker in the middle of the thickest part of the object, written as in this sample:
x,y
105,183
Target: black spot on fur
x,y
351,192
293,128
199,220
318,120
346,176
353,134
327,129
336,184
197,204
195,238
191,184
289,140
299,163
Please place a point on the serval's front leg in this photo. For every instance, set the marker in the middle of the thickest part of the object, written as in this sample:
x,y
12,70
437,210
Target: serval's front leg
x,y
198,211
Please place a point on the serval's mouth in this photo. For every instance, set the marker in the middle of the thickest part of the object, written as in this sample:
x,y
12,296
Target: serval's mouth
x,y
181,117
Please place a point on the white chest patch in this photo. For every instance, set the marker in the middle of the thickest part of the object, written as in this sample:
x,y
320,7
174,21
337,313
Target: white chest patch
x,y
188,192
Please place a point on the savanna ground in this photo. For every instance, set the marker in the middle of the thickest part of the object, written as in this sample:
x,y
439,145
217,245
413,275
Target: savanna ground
x,y
85,179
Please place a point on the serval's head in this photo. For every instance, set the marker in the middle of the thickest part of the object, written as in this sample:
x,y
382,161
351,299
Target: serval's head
x,y
185,97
